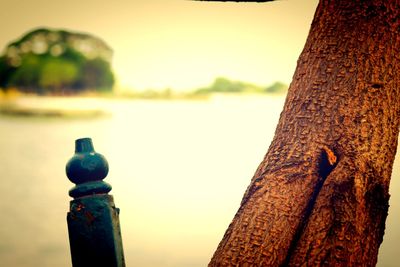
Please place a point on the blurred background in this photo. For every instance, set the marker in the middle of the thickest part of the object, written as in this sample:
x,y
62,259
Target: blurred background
x,y
182,97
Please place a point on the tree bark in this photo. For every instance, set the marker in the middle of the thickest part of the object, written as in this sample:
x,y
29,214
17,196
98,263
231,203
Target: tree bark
x,y
320,196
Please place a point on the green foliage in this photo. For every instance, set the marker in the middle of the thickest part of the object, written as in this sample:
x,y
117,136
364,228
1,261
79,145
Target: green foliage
x,y
277,87
27,74
96,73
57,73
46,61
224,85
5,72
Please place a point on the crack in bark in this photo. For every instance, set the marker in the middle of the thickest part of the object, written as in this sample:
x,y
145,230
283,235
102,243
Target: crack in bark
x,y
328,160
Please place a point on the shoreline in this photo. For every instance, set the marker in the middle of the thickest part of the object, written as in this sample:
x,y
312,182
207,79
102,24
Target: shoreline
x,y
94,105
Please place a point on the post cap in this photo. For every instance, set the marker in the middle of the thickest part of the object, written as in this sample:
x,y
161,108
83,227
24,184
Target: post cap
x,y
87,169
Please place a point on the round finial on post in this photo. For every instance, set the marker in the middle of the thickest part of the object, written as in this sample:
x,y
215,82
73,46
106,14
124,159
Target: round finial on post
x,y
87,169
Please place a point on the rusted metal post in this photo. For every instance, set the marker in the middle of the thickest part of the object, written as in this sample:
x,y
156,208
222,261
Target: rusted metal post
x,y
93,222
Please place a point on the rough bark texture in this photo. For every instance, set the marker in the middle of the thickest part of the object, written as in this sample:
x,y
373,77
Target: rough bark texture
x,y
320,196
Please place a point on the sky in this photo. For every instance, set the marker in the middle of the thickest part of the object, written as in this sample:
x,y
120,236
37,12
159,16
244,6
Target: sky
x,y
177,44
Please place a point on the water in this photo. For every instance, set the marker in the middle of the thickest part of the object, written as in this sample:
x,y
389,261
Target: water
x,y
178,171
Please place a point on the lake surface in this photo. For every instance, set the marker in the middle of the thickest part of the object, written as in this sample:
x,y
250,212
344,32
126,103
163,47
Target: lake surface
x,y
178,170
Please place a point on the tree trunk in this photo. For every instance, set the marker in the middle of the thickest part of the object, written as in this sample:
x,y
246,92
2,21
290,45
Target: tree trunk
x,y
320,196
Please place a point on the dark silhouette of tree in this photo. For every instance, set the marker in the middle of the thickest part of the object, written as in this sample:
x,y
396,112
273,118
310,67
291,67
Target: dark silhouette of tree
x,y
320,196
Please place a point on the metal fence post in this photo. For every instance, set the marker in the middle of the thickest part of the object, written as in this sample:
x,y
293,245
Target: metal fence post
x,y
93,222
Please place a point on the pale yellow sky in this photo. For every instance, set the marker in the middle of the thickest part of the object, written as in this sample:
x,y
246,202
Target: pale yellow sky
x,y
178,43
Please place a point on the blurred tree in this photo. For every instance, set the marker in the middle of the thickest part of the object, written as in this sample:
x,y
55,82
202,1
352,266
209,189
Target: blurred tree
x,y
58,73
277,87
27,74
224,85
97,74
5,72
52,61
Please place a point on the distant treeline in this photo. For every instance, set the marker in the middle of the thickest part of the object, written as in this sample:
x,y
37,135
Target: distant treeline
x,y
224,85
219,85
